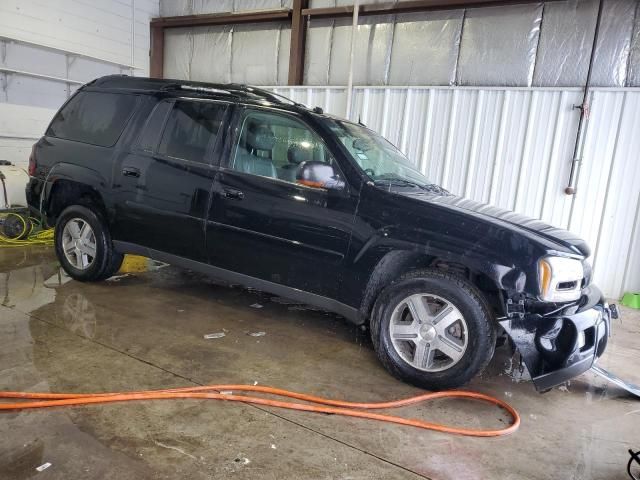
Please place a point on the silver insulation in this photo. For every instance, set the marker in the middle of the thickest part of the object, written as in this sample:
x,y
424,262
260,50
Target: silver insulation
x,y
519,45
614,43
566,39
170,8
425,48
633,76
499,46
255,54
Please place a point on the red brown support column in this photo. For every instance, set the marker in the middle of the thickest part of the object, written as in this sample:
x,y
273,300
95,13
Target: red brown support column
x,y
298,36
156,51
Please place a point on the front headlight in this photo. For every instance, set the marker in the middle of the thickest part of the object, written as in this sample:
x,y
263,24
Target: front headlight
x,y
560,279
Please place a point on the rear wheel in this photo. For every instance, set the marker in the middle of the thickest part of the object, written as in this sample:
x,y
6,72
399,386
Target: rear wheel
x,y
83,244
433,330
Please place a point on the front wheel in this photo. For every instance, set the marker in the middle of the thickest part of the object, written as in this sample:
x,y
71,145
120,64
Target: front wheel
x,y
433,330
83,244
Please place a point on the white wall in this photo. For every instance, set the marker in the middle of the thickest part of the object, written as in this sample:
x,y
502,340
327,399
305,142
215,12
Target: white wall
x,y
48,48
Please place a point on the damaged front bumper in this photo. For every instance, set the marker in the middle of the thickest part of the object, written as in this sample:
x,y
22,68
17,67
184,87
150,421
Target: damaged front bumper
x,y
561,346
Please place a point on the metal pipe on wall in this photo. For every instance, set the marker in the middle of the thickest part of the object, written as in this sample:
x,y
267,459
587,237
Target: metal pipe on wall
x,y
584,112
354,27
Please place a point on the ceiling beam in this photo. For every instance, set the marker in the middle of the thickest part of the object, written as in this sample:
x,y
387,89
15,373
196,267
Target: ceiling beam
x,y
408,7
228,18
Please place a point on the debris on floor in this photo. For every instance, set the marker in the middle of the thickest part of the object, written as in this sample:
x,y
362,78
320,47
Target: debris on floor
x,y
210,336
256,305
43,467
117,278
257,334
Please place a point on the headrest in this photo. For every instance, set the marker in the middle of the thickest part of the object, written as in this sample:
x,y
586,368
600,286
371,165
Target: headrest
x,y
297,154
260,137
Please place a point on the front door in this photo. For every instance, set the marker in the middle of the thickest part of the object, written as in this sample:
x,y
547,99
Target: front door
x,y
264,224
163,183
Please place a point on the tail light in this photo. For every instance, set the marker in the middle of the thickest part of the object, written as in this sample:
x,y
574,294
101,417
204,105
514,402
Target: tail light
x,y
32,162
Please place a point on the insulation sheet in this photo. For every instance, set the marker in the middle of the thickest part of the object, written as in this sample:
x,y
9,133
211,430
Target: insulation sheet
x,y
566,39
499,45
425,48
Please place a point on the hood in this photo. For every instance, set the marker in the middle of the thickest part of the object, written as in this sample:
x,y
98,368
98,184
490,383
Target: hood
x,y
556,235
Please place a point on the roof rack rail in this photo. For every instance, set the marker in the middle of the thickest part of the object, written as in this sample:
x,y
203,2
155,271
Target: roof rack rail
x,y
236,90
218,91
275,96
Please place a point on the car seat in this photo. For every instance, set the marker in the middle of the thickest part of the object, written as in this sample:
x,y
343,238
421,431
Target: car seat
x,y
257,138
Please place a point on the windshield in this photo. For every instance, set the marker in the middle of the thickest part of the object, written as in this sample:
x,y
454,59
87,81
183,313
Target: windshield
x,y
382,162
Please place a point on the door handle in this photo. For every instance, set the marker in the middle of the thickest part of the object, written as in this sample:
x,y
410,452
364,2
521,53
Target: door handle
x,y
130,172
233,193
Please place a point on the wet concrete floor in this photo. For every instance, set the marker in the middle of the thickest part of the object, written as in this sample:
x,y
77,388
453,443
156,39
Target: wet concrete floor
x,y
146,331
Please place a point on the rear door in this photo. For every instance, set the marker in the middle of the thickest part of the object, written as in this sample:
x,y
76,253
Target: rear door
x,y
264,224
163,183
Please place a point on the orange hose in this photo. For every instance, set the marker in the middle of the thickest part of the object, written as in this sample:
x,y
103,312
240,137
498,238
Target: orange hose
x,y
322,405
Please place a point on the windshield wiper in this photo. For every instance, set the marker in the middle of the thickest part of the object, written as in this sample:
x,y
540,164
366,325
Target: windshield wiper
x,y
397,181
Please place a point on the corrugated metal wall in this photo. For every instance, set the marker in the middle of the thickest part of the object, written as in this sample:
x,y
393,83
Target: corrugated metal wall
x,y
512,147
50,48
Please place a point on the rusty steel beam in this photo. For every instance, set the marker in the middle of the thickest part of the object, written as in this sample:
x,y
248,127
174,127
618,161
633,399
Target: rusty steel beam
x,y
227,18
298,39
409,7
156,52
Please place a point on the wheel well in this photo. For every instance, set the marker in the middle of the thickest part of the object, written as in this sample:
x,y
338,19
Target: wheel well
x,y
65,193
397,263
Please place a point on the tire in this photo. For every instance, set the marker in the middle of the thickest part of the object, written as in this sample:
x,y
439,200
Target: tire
x,y
17,227
413,354
82,262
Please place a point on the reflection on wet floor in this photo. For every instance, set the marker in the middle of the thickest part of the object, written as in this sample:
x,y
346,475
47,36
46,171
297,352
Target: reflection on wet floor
x,y
146,329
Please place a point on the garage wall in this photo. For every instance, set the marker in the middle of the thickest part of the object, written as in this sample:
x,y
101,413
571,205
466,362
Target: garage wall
x,y
546,44
48,48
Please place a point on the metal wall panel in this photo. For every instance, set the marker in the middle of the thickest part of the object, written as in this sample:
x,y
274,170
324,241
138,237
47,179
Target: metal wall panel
x,y
48,49
512,147
104,30
20,127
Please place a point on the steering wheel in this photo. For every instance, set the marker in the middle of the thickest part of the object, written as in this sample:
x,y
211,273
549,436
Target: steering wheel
x,y
370,172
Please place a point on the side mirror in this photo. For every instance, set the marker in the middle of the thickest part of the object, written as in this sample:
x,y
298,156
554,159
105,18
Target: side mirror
x,y
319,175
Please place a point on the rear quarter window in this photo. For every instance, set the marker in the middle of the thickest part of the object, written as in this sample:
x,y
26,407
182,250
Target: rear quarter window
x,y
96,118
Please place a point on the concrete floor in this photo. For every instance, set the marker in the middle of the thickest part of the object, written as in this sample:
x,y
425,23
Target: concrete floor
x,y
145,331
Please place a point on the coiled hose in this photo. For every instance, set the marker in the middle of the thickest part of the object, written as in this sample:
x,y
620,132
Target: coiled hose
x,y
315,404
30,234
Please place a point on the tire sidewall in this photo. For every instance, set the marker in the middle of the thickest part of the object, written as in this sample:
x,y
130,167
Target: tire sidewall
x,y
480,332
103,243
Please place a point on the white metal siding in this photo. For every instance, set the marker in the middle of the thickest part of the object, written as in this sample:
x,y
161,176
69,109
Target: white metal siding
x,y
103,30
512,147
48,48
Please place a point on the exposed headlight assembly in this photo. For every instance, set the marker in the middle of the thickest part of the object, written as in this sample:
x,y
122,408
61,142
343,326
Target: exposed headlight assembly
x,y
560,279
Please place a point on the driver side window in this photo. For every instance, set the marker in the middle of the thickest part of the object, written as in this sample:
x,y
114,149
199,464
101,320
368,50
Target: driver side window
x,y
274,146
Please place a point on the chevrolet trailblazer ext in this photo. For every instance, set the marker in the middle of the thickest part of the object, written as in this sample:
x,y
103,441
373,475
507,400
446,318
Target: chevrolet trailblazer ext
x,y
250,187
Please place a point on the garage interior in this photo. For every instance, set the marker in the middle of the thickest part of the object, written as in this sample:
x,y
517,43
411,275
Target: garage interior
x,y
529,106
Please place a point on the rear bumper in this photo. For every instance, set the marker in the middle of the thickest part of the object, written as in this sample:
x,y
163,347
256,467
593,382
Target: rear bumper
x,y
560,347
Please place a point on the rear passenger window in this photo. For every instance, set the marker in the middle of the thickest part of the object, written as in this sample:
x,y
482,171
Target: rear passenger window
x,y
190,128
93,117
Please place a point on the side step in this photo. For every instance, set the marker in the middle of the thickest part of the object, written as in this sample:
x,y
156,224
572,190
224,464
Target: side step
x,y
629,387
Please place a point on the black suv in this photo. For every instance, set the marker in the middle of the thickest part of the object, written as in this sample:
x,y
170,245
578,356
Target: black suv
x,y
248,186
